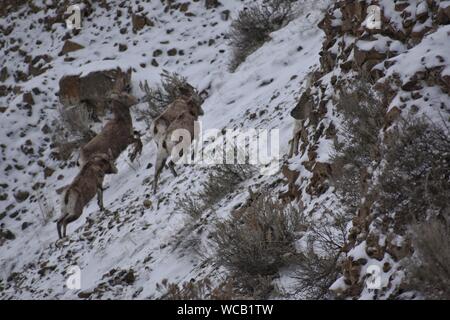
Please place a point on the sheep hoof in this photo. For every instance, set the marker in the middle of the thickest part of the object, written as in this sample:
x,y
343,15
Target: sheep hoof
x,y
60,242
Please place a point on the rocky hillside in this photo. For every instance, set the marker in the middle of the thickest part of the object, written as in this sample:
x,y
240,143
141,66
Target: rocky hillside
x,y
144,242
405,60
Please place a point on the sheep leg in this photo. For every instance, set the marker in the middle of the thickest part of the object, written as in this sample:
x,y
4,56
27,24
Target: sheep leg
x,y
172,168
159,165
66,221
71,210
291,149
137,147
58,226
294,144
100,198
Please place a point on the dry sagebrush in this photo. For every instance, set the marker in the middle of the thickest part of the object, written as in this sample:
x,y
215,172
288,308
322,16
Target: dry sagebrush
x,y
172,86
221,180
253,25
255,242
431,275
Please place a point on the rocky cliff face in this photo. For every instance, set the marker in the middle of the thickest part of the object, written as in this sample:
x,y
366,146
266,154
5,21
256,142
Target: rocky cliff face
x,y
405,58
303,70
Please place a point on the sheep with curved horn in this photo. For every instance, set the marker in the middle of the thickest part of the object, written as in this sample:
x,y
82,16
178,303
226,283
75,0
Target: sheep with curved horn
x,y
87,184
180,114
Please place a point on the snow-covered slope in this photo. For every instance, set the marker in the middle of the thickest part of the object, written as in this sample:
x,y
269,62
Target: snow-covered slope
x,y
156,242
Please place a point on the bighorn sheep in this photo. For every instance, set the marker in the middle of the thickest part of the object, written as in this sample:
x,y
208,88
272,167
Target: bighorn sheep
x,y
302,111
84,187
117,134
296,136
180,114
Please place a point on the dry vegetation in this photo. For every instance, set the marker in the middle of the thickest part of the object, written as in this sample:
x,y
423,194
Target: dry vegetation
x,y
319,262
198,290
415,182
221,180
72,129
411,161
363,118
253,26
431,274
172,86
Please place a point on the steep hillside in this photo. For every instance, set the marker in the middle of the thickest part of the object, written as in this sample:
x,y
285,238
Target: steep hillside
x,y
348,91
405,62
155,242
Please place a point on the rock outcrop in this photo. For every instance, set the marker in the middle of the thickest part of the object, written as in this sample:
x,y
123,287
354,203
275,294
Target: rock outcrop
x,y
395,60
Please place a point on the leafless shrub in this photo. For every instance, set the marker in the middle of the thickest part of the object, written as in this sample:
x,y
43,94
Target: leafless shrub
x,y
253,26
431,274
198,290
257,287
191,205
46,209
72,129
159,97
257,241
221,180
191,290
415,182
363,118
64,144
319,262
76,121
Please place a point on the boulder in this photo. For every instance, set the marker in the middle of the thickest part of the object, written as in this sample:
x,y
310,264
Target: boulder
x,y
321,172
38,65
28,98
291,176
172,52
4,74
7,234
211,4
443,15
140,21
129,277
184,7
70,46
225,15
362,56
21,195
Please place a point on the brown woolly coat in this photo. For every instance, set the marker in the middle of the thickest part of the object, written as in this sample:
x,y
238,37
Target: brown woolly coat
x,y
117,135
86,184
173,111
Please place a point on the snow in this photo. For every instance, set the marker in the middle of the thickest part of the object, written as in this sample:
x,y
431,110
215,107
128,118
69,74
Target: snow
x,y
160,242
154,242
